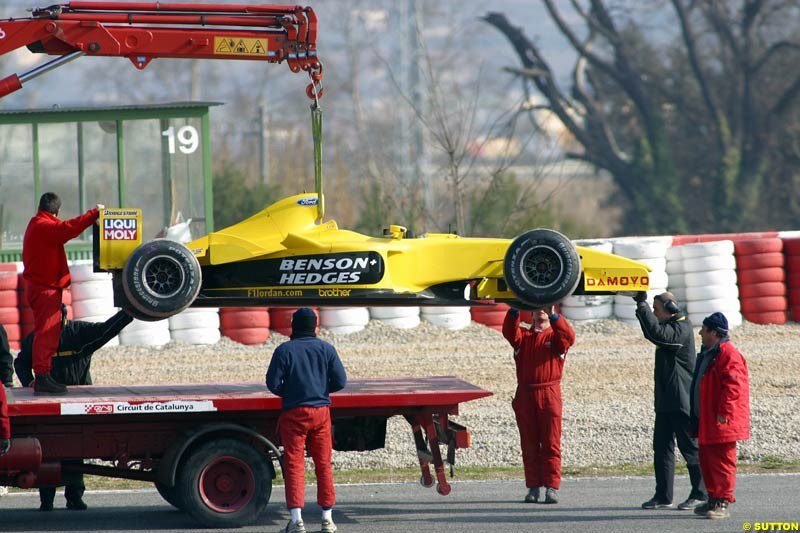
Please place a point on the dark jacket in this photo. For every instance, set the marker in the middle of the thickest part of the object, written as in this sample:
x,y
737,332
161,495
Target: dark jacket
x,y
79,341
6,359
675,358
303,371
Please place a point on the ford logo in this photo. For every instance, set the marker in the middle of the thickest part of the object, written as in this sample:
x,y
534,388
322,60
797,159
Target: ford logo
x,y
307,201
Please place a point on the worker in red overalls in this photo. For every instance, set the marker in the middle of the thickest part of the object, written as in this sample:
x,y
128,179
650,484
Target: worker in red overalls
x,y
539,354
47,275
720,412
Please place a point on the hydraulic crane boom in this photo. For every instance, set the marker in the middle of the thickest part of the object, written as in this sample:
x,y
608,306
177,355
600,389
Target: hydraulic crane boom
x,y
142,31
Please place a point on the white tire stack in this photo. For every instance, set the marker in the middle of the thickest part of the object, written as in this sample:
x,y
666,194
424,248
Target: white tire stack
x,y
652,252
588,308
398,317
143,333
449,317
343,320
92,295
195,325
710,277
676,275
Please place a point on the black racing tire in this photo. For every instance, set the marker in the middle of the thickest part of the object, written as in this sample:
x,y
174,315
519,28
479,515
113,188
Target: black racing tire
x,y
542,267
169,494
161,278
224,483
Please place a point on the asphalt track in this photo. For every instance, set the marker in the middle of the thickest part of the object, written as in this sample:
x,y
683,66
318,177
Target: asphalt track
x,y
604,505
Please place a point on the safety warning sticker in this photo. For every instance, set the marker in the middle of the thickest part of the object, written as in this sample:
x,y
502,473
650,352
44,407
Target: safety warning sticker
x,y
240,46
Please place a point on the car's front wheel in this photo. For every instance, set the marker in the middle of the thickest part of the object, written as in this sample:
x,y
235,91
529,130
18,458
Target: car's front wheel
x,y
542,267
161,278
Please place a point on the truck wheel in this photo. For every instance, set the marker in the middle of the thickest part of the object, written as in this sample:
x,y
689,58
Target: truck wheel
x,y
224,483
169,494
161,278
542,267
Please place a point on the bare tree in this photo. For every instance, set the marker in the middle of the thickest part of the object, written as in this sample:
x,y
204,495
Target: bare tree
x,y
687,130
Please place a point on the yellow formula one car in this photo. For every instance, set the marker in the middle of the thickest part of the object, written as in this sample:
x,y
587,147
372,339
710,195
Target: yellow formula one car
x,y
283,256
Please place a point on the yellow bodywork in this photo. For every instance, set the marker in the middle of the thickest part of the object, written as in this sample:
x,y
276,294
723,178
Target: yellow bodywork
x,y
289,228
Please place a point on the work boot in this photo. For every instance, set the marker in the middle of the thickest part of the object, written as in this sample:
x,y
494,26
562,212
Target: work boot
x,y
46,497
655,503
45,384
76,505
295,527
328,526
533,495
719,510
550,495
702,509
690,503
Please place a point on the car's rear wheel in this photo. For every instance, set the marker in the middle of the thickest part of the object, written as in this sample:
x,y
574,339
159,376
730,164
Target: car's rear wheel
x,y
542,267
161,278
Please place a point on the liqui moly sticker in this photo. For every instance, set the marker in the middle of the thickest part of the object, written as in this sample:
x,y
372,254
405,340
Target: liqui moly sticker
x,y
116,408
120,229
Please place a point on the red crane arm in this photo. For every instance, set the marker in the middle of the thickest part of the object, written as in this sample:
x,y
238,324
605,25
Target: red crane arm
x,y
144,31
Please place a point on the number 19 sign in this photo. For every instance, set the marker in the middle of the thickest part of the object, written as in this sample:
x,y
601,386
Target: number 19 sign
x,y
187,137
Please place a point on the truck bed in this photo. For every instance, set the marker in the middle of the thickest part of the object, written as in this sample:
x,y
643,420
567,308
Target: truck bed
x,y
379,394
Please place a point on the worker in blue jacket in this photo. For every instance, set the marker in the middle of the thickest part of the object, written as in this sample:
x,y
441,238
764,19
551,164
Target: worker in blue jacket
x,y
303,371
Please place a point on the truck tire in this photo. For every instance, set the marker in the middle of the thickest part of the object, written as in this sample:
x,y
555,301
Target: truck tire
x,y
161,278
169,494
224,483
542,267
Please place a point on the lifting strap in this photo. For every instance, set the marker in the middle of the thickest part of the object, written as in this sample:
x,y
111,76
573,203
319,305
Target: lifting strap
x,y
316,130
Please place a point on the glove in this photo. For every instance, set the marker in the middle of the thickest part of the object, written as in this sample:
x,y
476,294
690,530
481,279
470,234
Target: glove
x,y
513,311
641,296
5,445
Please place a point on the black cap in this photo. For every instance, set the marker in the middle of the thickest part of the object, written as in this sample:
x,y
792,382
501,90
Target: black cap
x,y
304,322
717,322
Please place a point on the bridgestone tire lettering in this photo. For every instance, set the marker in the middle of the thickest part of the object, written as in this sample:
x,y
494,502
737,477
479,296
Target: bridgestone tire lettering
x,y
542,267
161,278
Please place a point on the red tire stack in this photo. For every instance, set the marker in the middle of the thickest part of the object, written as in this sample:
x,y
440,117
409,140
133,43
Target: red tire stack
x,y
9,308
762,280
490,315
791,253
280,319
246,325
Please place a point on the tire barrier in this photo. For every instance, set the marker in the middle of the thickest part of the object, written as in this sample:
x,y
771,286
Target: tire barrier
x,y
649,250
343,320
144,333
589,308
245,325
709,276
791,252
196,325
491,316
10,315
396,317
759,264
448,317
92,295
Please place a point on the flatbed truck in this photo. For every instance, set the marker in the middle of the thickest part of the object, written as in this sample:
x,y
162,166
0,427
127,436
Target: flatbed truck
x,y
213,450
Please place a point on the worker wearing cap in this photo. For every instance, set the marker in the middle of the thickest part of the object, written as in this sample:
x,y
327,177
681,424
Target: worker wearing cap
x,y
668,328
720,412
539,355
303,371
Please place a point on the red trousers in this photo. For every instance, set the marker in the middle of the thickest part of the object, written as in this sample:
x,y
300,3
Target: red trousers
x,y
538,412
718,463
301,428
45,303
